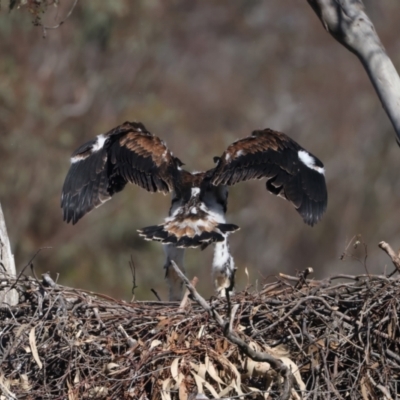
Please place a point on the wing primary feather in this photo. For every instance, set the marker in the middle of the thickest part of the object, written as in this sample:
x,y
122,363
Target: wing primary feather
x,y
291,172
103,166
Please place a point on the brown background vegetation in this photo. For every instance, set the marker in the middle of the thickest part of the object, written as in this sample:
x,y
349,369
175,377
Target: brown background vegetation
x,y
199,74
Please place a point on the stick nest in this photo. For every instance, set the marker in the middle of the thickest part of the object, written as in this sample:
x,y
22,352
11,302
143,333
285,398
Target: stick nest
x,y
339,337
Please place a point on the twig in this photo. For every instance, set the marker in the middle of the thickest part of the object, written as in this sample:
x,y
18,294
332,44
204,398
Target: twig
x,y
96,314
344,254
382,388
156,294
275,363
390,252
132,266
298,304
303,278
338,334
27,265
393,355
186,295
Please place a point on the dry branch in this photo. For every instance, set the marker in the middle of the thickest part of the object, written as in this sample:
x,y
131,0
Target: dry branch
x,y
390,252
7,265
232,336
339,338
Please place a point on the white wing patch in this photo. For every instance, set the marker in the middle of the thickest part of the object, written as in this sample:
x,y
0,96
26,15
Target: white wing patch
x,y
99,143
309,161
101,139
79,157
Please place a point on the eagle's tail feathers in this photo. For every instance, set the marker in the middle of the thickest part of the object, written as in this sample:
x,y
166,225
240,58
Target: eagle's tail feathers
x,y
168,233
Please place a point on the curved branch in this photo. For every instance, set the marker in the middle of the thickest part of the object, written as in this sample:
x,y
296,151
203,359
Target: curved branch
x,y
390,252
349,24
231,335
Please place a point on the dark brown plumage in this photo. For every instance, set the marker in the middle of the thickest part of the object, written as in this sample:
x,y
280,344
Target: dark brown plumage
x,y
129,153
103,166
275,156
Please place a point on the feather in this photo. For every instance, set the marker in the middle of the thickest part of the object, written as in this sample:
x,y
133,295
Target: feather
x,y
103,166
196,222
291,171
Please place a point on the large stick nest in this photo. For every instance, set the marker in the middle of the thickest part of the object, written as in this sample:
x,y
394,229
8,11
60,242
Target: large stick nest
x,y
339,337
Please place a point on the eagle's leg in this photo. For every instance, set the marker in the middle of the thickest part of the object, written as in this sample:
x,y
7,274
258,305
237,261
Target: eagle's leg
x,y
223,268
174,282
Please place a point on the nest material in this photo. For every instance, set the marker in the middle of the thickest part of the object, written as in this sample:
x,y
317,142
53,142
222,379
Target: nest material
x,y
340,340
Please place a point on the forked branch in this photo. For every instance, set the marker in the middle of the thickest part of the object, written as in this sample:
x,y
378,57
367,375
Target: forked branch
x,y
231,335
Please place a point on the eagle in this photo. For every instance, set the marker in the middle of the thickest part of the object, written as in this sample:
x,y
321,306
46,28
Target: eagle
x,y
129,153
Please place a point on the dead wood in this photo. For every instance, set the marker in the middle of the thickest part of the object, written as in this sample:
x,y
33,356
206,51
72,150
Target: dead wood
x,y
7,265
390,252
300,338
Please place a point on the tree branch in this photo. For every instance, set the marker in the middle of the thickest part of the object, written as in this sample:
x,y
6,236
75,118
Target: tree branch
x,y
186,295
7,264
349,24
390,252
226,326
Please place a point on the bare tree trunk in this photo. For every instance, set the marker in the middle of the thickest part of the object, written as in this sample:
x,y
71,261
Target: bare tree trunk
x,y
7,265
348,23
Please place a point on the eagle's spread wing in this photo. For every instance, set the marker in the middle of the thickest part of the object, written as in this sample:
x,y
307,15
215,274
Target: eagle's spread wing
x,y
292,172
103,166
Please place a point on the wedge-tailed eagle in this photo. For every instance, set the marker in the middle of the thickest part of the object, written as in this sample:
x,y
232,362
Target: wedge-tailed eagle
x,y
129,153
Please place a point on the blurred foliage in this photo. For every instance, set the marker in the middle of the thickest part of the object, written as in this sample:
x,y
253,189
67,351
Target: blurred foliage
x,y
36,7
200,74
